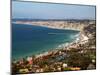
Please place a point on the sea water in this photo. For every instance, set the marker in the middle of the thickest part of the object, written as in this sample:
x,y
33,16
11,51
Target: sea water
x,y
30,40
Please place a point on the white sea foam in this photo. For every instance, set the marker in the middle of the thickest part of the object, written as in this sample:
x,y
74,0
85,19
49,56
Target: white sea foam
x,y
62,45
75,39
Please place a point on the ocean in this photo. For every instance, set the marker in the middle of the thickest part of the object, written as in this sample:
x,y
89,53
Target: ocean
x,y
30,40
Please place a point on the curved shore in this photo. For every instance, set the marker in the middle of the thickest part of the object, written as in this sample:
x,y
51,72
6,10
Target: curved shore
x,y
63,35
56,24
78,55
79,40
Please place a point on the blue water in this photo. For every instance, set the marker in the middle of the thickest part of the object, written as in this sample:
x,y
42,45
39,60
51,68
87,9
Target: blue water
x,y
31,40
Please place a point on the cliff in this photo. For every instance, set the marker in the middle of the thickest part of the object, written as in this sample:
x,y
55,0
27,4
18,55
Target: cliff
x,y
57,24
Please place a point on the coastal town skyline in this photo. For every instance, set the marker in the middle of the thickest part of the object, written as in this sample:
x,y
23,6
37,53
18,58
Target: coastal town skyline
x,y
36,10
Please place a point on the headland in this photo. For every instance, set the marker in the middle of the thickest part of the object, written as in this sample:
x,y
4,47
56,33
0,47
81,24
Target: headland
x,y
78,55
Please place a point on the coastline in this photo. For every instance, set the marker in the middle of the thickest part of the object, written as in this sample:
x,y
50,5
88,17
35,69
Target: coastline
x,y
77,55
62,46
55,50
54,26
65,46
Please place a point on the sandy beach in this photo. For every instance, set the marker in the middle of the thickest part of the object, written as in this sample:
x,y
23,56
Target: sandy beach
x,y
77,55
66,46
80,40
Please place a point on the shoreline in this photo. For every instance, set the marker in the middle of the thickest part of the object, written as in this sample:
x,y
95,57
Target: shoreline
x,y
66,44
62,46
79,54
46,53
79,40
47,26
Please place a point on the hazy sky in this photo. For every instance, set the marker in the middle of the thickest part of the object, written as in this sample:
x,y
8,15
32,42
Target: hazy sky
x,y
51,11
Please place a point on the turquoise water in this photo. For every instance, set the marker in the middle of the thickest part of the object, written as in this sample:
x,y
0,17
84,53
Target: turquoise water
x,y
31,40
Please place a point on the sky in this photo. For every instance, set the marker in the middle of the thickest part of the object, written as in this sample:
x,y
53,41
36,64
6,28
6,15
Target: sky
x,y
51,11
